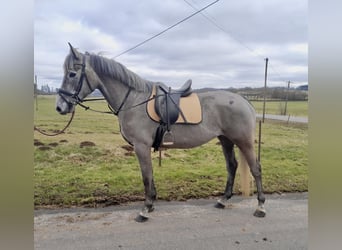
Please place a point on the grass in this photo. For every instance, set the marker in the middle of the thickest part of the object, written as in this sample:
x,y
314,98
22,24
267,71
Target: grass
x,y
66,174
294,108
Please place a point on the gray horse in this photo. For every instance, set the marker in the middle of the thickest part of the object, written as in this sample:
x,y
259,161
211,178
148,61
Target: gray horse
x,y
225,115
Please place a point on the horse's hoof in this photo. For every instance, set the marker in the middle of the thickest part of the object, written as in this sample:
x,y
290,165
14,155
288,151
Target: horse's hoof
x,y
260,213
222,203
143,215
219,205
141,218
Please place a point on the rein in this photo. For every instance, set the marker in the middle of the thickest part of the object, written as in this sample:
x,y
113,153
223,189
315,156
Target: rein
x,y
112,111
58,132
120,109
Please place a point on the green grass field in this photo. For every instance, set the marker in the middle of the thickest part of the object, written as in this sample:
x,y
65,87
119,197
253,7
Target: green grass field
x,y
66,174
295,108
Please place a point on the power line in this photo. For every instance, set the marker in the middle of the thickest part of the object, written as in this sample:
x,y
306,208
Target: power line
x,y
276,72
213,22
172,26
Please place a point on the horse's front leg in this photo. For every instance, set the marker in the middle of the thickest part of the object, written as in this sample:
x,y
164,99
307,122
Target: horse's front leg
x,y
143,153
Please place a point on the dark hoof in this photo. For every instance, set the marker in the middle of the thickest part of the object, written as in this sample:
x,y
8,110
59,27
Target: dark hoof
x,y
141,218
219,205
259,213
143,215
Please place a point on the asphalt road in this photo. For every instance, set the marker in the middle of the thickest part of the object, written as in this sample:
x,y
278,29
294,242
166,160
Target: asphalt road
x,y
194,224
285,118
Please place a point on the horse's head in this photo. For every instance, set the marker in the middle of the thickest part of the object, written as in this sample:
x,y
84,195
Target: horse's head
x,y
75,86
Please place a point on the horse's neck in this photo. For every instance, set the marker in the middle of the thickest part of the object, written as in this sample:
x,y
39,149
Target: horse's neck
x,y
115,92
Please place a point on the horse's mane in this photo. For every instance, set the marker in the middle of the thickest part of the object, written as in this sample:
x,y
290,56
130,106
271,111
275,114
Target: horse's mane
x,y
116,70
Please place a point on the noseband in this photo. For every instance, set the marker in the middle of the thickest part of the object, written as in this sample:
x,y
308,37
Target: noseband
x,y
74,96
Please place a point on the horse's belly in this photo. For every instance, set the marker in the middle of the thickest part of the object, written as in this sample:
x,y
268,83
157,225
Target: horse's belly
x,y
189,136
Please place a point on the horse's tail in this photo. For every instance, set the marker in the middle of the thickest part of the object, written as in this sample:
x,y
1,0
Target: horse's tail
x,y
245,176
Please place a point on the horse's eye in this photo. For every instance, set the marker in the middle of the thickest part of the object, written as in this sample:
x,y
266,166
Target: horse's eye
x,y
72,74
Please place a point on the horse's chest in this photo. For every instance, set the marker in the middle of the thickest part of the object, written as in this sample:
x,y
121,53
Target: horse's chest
x,y
136,127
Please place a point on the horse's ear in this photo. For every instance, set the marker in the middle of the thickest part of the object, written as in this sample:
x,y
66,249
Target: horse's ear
x,y
73,51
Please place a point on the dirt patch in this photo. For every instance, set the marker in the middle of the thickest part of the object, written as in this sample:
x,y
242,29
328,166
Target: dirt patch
x,y
87,144
38,143
44,148
94,202
128,148
104,201
63,141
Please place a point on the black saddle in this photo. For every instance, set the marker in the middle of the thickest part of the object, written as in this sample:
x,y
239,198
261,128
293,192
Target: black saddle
x,y
167,102
167,108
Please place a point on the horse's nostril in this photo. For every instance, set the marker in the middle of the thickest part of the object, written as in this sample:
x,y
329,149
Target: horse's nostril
x,y
58,109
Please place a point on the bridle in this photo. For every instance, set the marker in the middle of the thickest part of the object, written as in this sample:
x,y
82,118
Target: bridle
x,y
66,96
75,96
75,99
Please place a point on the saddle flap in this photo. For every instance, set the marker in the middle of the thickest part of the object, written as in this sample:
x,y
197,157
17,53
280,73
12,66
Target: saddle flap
x,y
167,106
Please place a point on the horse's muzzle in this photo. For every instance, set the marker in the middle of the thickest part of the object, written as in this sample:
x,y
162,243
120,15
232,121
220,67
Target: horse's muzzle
x,y
63,107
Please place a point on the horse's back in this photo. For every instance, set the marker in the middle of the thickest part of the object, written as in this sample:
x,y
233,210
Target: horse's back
x,y
226,101
229,111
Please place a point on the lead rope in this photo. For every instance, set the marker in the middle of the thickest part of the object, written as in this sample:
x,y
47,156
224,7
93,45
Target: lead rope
x,y
58,132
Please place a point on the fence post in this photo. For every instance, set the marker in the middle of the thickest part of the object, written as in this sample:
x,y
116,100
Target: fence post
x,y
287,96
259,141
35,91
160,157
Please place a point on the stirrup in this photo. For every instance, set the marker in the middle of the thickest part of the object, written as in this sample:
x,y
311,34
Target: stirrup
x,y
168,138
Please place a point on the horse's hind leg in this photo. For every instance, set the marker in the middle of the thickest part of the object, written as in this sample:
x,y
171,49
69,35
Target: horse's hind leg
x,y
231,165
143,153
255,167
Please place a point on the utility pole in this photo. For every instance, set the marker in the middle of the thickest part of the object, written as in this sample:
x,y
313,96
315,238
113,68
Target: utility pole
x,y
263,110
287,96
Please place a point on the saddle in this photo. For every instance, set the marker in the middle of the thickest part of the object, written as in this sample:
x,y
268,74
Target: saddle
x,y
172,106
167,102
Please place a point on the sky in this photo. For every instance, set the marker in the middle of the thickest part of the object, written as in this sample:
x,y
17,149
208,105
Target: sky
x,y
224,46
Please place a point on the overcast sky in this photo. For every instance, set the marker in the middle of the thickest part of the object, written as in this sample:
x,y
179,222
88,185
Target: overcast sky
x,y
224,47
